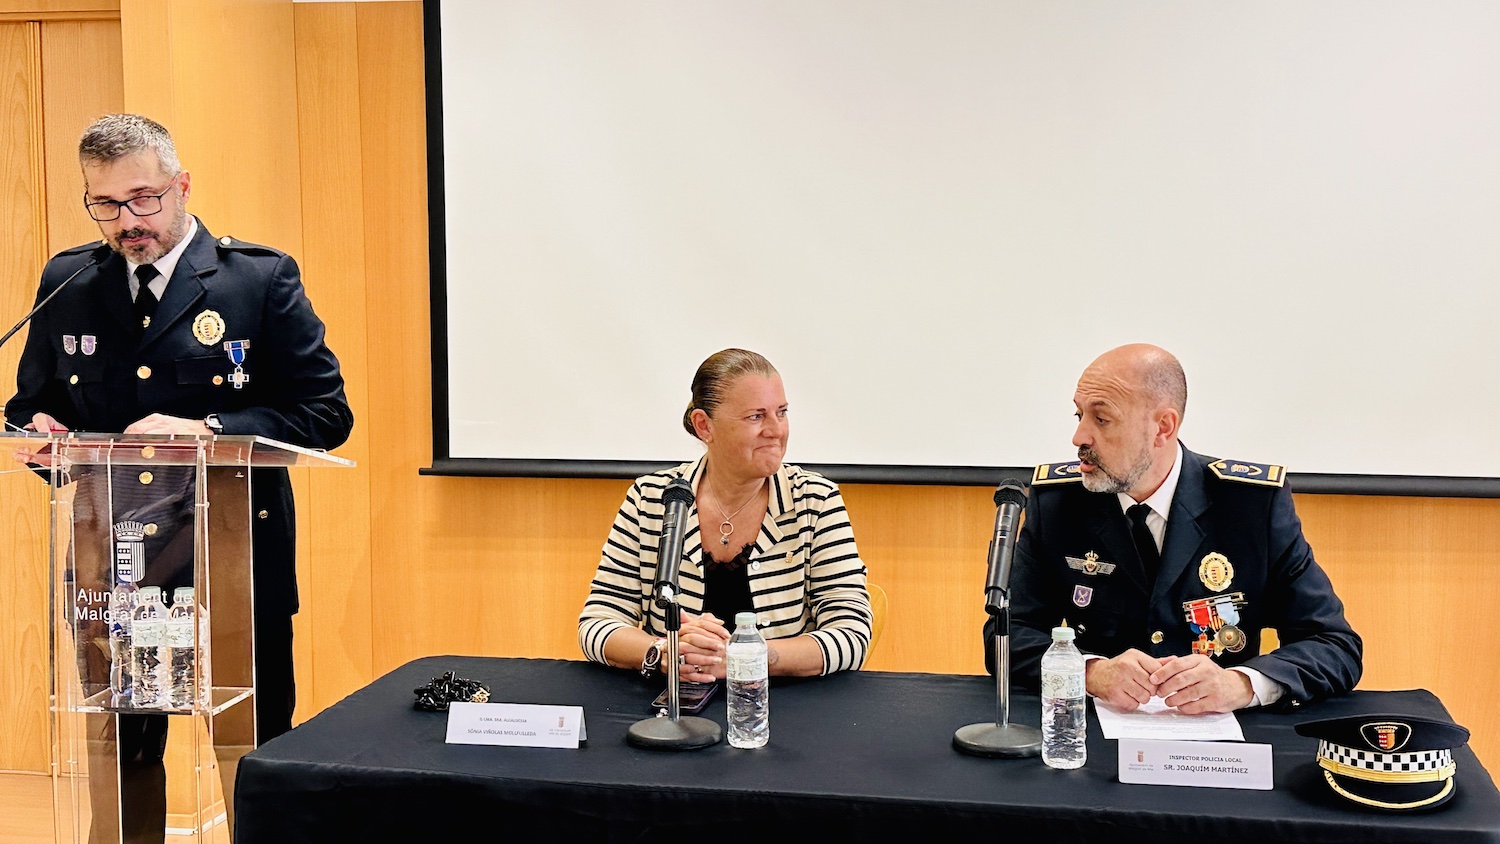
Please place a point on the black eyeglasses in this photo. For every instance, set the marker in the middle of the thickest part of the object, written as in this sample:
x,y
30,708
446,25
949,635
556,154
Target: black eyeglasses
x,y
142,206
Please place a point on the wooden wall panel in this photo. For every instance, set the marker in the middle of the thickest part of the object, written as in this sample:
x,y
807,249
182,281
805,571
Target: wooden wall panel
x,y
56,73
23,508
409,598
928,548
1416,576
332,634
221,76
49,10
81,81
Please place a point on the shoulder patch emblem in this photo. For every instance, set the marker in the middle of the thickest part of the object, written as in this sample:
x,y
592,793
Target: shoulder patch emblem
x,y
1265,474
1057,473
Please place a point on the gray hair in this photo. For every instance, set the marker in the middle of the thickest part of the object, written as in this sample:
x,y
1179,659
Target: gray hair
x,y
714,376
115,136
1163,379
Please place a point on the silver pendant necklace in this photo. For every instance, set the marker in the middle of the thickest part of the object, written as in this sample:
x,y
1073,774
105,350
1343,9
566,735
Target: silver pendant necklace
x,y
726,527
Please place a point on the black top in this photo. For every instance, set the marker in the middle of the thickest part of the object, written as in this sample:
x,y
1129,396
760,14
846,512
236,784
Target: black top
x,y
726,586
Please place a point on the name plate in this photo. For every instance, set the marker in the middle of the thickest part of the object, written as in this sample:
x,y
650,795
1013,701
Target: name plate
x,y
1201,764
516,725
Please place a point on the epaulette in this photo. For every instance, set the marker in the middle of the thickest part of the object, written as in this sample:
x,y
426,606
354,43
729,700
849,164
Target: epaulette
x,y
1265,474
1057,473
227,242
79,250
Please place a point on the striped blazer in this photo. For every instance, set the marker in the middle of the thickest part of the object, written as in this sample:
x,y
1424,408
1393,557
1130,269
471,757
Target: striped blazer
x,y
805,572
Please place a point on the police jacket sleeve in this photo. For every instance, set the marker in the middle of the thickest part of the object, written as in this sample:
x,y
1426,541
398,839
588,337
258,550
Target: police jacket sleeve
x,y
37,391
307,406
1319,654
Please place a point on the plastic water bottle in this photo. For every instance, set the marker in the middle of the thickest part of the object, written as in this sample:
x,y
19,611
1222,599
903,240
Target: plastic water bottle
x,y
121,605
747,679
183,653
1064,717
148,639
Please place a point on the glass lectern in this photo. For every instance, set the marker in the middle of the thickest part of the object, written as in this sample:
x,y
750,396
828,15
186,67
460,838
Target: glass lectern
x,y
151,613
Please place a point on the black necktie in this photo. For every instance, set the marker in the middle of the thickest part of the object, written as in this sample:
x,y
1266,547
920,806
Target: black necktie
x,y
1145,543
145,300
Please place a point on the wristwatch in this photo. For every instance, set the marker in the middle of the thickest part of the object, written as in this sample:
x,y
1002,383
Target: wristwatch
x,y
653,657
212,423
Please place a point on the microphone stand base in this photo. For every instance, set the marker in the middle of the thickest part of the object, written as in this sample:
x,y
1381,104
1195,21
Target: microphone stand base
x,y
1012,741
688,732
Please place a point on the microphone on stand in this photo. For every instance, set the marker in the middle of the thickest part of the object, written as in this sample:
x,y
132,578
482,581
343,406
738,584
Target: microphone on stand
x,y
677,498
673,731
1001,738
98,254
1010,498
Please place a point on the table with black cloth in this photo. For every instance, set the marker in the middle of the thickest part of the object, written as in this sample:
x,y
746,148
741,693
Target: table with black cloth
x,y
857,754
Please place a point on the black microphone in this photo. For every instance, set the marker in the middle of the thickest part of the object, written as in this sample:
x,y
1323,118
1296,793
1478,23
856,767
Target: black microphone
x,y
676,731
678,498
1002,738
1010,498
98,254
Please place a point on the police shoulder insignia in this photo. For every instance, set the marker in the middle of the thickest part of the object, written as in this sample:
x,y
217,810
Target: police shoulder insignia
x,y
1265,474
1057,473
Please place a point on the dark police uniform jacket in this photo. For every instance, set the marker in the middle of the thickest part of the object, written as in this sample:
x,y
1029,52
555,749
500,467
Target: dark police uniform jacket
x,y
1239,511
84,365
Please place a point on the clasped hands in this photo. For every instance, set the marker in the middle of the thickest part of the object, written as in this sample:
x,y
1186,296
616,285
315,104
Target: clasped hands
x,y
1193,684
700,645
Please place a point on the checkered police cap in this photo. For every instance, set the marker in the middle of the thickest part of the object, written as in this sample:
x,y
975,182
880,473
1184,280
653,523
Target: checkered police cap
x,y
1393,763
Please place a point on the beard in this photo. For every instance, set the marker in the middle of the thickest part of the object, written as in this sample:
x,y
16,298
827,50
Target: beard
x,y
1105,479
157,245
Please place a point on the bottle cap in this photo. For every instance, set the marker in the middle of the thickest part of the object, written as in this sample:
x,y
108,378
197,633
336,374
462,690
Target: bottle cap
x,y
1062,634
744,619
182,594
150,592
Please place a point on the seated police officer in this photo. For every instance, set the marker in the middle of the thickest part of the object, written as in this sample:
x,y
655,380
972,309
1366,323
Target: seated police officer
x,y
1168,564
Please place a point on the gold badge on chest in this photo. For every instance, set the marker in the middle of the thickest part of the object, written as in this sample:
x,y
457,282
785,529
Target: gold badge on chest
x,y
208,327
1216,572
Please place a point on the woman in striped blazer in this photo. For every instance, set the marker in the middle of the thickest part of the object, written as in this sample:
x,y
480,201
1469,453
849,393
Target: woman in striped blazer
x,y
774,540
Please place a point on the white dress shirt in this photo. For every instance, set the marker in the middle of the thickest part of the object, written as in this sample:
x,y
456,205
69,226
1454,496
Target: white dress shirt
x,y
164,265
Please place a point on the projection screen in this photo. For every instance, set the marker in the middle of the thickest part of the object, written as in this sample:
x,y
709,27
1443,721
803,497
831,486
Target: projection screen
x,y
931,216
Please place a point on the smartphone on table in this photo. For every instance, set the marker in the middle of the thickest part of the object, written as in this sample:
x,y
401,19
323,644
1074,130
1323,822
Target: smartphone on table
x,y
691,698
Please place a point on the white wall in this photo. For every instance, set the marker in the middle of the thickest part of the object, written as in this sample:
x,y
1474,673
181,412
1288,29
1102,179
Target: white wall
x,y
932,215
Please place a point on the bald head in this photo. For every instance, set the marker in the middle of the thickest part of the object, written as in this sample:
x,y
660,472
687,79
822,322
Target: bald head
x,y
1149,372
1129,404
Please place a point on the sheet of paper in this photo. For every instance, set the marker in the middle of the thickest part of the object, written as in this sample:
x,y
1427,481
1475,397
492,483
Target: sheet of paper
x,y
1155,720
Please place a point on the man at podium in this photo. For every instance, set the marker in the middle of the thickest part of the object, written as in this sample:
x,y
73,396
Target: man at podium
x,y
163,328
